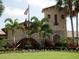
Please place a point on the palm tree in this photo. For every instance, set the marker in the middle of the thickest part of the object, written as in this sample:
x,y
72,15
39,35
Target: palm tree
x,y
1,7
12,25
67,4
76,4
46,33
41,27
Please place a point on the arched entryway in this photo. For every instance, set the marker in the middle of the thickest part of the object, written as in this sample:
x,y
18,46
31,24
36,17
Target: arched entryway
x,y
27,42
56,38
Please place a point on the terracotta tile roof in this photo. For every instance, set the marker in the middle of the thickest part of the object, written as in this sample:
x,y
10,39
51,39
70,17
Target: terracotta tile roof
x,y
51,7
2,32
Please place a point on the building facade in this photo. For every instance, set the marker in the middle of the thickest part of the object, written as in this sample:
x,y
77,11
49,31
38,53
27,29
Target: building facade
x,y
57,21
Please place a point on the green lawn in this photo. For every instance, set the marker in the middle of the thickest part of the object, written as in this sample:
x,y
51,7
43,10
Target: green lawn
x,y
41,55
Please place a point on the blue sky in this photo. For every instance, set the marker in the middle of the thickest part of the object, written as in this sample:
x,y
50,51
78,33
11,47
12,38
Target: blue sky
x,y
15,9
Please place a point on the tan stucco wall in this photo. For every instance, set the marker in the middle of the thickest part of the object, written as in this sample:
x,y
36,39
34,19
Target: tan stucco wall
x,y
61,27
19,34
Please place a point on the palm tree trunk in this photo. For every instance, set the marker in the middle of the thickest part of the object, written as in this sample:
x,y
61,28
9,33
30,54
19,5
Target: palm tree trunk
x,y
14,42
77,28
70,9
72,28
40,36
14,39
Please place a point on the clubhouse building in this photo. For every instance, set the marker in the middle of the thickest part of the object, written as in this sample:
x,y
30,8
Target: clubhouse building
x,y
57,21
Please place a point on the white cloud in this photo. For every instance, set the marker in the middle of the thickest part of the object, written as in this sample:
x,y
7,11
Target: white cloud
x,y
13,11
41,3
18,1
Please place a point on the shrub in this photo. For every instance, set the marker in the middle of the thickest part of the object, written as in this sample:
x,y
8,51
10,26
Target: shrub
x,y
3,44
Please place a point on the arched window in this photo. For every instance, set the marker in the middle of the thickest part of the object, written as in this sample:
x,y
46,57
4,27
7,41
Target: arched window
x,y
55,20
62,16
48,16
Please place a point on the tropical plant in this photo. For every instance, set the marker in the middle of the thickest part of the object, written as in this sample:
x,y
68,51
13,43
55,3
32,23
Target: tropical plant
x,y
67,5
3,44
41,27
1,7
63,42
12,26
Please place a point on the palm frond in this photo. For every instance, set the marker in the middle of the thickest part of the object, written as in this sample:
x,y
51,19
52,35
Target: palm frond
x,y
45,27
16,24
47,33
44,20
76,3
35,19
59,2
9,20
8,26
16,20
12,24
